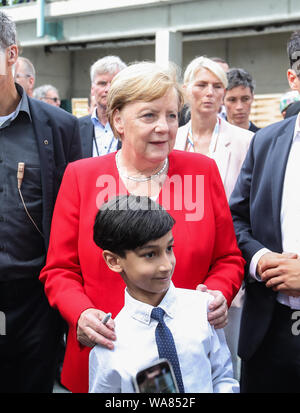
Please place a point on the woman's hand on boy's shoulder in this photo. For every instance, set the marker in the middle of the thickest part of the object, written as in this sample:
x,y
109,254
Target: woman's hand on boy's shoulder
x,y
91,330
218,310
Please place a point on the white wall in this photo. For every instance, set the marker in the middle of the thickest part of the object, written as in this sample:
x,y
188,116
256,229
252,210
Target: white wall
x,y
263,56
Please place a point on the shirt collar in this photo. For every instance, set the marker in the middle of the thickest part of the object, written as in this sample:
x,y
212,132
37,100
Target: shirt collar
x,y
96,121
23,105
142,312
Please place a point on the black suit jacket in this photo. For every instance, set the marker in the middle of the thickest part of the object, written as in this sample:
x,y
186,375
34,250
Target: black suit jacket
x,y
255,206
87,134
57,134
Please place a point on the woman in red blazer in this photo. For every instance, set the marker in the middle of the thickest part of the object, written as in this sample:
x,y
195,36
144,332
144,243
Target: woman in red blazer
x,y
144,101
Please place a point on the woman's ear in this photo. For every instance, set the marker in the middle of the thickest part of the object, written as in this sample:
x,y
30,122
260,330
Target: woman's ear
x,y
118,122
112,260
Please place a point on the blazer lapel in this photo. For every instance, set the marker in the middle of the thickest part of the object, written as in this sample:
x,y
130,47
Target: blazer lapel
x,y
87,134
222,152
181,137
277,164
44,136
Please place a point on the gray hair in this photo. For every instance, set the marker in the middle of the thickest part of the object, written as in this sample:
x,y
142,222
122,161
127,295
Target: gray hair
x,y
28,66
41,91
239,77
8,34
107,64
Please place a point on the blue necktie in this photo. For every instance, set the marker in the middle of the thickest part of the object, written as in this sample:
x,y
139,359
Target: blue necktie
x,y
165,344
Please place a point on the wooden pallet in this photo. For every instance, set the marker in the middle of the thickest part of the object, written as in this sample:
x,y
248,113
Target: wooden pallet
x,y
265,109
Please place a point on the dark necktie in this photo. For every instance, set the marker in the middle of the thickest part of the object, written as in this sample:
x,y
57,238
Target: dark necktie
x,y
165,344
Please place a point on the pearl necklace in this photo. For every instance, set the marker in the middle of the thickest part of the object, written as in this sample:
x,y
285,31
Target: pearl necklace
x,y
136,179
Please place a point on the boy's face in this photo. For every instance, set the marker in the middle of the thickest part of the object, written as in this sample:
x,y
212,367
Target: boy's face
x,y
148,270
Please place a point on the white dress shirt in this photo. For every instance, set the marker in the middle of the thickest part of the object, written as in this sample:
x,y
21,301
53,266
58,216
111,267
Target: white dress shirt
x,y
202,351
289,215
104,141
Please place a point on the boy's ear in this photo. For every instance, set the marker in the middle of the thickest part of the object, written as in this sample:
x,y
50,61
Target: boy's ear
x,y
112,260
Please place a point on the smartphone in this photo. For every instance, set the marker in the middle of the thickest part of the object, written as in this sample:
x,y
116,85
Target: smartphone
x,y
156,378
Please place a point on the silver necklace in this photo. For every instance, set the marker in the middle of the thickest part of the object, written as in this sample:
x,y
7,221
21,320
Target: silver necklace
x,y
136,179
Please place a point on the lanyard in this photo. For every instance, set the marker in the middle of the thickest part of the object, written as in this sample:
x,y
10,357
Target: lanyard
x,y
214,138
97,148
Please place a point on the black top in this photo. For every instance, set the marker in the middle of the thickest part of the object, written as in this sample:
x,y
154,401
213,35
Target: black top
x,y
22,248
253,128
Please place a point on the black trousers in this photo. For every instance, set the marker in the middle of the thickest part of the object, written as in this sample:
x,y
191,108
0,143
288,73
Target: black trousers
x,y
28,349
275,367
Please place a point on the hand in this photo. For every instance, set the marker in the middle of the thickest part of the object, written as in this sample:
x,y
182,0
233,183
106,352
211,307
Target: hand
x,y
218,310
272,260
91,331
285,277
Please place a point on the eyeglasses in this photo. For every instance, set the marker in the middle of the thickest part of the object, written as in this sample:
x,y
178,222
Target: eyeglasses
x,y
18,76
54,99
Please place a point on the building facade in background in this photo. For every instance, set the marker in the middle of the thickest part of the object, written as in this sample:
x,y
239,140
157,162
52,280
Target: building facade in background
x,y
249,34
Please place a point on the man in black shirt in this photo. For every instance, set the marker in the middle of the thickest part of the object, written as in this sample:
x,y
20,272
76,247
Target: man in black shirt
x,y
238,99
36,143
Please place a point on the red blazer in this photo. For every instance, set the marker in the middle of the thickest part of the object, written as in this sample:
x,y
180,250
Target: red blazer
x,y
76,276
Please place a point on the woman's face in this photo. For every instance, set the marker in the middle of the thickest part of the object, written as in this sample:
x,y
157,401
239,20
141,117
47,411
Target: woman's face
x,y
148,129
205,93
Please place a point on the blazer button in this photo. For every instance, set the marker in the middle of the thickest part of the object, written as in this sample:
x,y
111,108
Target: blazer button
x,y
46,141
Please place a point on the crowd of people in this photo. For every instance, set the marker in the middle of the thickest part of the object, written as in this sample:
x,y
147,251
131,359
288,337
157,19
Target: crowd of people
x,y
96,211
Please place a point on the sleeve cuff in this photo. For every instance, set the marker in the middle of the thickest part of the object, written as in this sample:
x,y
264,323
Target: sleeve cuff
x,y
254,261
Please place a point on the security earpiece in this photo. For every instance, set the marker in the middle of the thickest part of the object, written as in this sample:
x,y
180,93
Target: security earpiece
x,y
20,176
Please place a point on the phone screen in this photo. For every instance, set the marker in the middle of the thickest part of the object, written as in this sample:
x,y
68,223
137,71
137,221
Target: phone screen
x,y
158,378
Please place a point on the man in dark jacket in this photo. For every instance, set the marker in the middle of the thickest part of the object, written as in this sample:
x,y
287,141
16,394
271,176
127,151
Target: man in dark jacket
x,y
96,135
37,141
265,207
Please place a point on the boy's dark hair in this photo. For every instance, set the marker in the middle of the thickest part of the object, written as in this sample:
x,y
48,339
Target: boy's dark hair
x,y
239,77
127,222
293,51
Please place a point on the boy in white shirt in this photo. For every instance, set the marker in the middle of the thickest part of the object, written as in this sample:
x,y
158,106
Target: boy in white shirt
x,y
135,235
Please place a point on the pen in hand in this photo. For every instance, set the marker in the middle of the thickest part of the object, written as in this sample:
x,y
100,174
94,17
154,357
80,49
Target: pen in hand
x,y
106,318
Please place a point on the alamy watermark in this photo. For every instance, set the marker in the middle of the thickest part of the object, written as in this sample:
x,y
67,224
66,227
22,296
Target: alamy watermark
x,y
296,324
2,324
178,193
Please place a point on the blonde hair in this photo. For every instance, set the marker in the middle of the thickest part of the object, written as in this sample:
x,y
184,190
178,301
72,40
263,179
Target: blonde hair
x,y
144,81
199,62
